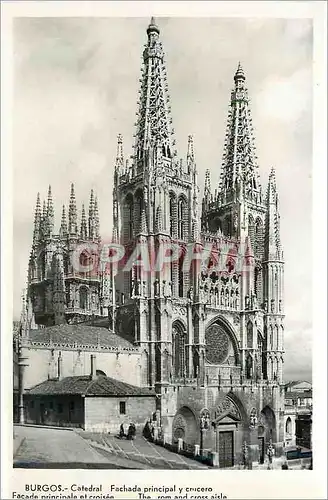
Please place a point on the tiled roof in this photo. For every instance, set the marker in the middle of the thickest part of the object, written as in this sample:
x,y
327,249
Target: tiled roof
x,y
295,382
79,334
295,394
84,386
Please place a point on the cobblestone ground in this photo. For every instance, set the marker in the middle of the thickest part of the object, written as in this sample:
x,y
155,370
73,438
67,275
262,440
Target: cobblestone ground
x,y
41,446
153,456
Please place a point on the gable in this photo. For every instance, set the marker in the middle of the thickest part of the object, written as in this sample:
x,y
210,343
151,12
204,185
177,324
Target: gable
x,y
227,419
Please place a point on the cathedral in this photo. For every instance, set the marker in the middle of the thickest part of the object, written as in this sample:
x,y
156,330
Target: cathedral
x,y
204,336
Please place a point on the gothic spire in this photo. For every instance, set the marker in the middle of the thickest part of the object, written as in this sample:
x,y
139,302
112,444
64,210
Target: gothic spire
x,y
84,230
190,153
63,224
153,126
239,174
91,216
96,217
274,250
72,213
44,221
119,165
207,187
37,220
50,213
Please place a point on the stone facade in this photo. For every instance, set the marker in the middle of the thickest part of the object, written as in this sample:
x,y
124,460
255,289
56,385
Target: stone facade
x,y
212,334
209,332
103,414
57,293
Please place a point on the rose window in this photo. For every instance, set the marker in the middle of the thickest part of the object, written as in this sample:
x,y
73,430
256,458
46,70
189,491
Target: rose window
x,y
217,345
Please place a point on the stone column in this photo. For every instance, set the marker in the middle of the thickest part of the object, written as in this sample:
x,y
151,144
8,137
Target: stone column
x,y
217,444
22,363
190,342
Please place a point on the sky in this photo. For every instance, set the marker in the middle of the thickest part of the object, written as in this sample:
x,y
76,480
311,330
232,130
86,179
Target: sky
x,y
76,84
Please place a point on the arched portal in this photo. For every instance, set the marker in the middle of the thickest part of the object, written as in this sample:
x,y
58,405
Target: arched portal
x,y
268,422
185,427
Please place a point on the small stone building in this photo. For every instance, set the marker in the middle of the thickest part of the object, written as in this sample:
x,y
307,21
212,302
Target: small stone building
x,y
93,403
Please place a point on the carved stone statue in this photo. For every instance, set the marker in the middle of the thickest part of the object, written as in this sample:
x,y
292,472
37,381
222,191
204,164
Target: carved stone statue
x,y
156,288
138,288
167,289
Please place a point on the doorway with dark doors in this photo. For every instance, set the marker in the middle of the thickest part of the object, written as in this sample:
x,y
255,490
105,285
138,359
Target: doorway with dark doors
x,y
226,455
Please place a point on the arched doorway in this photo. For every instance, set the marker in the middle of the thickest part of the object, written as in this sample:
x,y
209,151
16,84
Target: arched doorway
x,y
228,424
185,427
266,430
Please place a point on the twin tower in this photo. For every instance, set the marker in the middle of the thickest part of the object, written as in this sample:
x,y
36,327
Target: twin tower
x,y
203,322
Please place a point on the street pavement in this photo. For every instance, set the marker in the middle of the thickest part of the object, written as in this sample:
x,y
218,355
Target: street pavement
x,y
44,447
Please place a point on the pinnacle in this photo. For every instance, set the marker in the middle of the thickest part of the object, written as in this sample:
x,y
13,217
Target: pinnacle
x,y
152,27
38,206
72,192
239,73
190,146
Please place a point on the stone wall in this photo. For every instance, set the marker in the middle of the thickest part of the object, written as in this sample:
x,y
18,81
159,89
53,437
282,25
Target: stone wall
x,y
66,411
103,414
43,363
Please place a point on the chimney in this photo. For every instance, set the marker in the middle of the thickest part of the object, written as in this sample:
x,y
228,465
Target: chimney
x,y
60,366
93,367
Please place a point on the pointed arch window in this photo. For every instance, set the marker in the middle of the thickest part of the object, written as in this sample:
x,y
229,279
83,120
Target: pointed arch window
x,y
259,238
139,205
181,218
227,226
251,232
249,366
179,350
128,217
250,335
173,215
84,298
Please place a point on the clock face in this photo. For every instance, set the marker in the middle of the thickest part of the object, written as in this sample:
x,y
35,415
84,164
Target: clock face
x,y
217,345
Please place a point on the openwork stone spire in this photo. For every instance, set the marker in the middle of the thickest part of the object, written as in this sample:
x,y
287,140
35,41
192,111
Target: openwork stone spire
x,y
37,220
274,249
239,174
119,164
91,215
63,224
72,213
84,228
96,218
50,213
153,126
